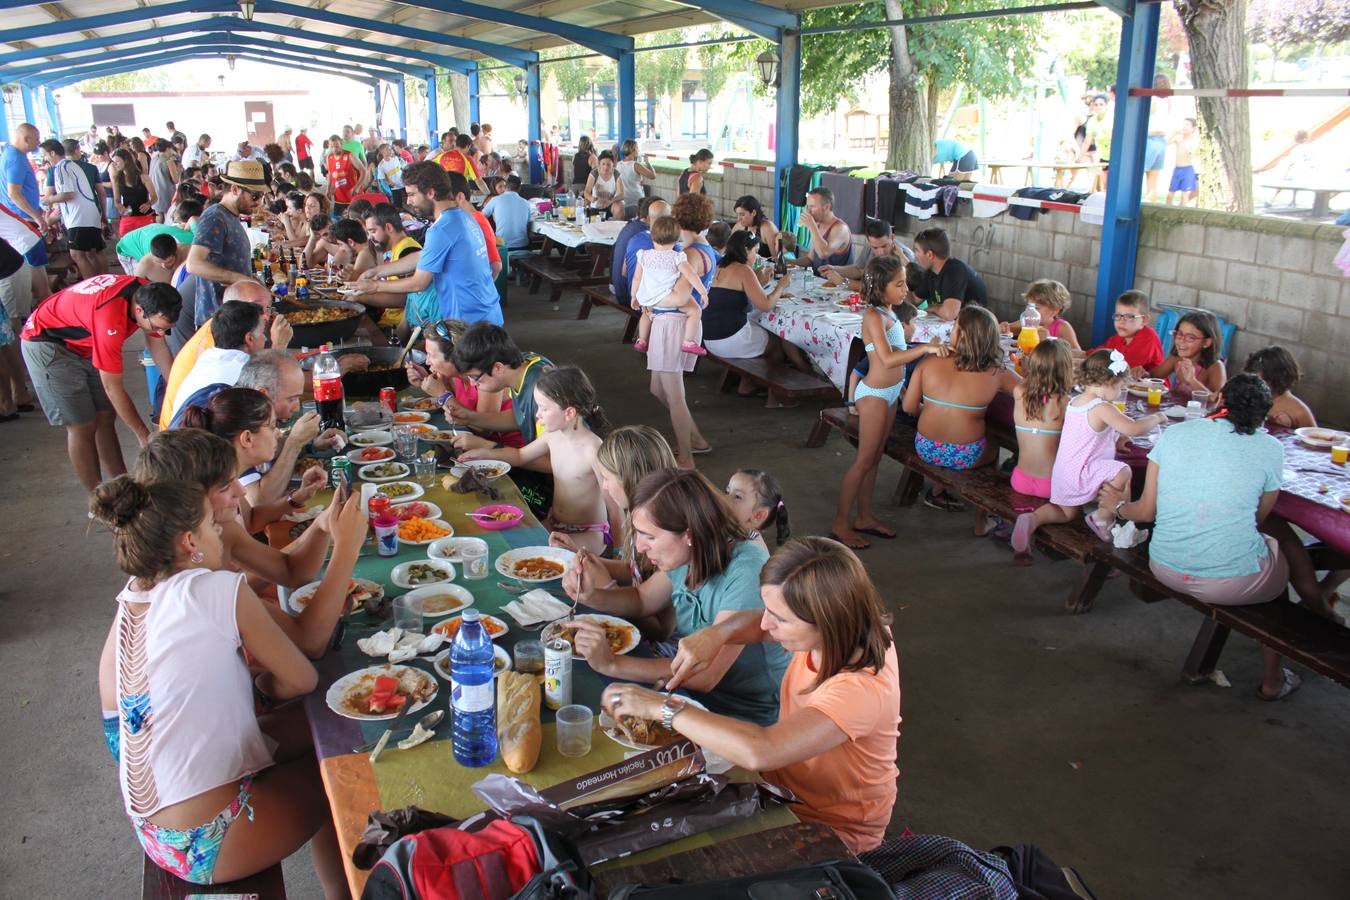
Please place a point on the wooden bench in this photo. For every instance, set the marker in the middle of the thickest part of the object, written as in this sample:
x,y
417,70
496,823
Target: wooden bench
x,y
987,489
157,884
557,273
782,382
603,295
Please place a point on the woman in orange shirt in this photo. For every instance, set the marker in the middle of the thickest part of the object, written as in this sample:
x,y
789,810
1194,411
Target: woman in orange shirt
x,y
834,744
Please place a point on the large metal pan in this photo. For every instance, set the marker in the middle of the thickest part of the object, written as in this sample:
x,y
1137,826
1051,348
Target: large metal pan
x,y
363,385
323,332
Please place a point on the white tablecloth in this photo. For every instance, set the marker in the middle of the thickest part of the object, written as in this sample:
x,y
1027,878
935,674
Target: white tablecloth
x,y
571,235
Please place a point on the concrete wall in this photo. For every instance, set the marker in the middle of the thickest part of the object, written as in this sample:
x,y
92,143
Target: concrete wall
x,y
723,185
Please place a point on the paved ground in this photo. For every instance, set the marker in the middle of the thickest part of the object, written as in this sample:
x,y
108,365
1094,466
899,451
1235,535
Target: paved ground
x,y
1020,723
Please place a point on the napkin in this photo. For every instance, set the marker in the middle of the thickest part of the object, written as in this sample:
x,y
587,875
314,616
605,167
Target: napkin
x,y
1126,535
536,606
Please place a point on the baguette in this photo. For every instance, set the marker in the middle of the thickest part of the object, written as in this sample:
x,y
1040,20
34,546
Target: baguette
x,y
519,733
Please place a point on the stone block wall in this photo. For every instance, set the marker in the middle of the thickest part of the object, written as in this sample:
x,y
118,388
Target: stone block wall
x,y
723,185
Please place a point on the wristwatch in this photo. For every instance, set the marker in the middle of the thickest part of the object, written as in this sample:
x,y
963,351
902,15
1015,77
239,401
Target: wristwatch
x,y
671,708
1119,505
292,502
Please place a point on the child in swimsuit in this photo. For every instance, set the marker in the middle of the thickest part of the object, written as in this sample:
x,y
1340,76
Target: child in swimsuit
x,y
1194,364
664,284
756,498
1086,459
1279,370
1051,300
574,425
950,395
886,334
1038,415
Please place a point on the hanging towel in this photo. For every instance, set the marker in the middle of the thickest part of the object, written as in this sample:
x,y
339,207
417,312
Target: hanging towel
x,y
920,200
1343,255
990,199
1094,209
848,198
947,195
800,179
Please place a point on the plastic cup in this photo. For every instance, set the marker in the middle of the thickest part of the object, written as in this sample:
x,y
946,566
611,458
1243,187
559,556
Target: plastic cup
x,y
408,613
1119,404
529,657
1339,455
1202,397
574,725
405,441
473,559
386,535
424,469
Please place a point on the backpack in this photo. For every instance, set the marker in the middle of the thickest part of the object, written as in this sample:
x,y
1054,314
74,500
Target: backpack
x,y
834,880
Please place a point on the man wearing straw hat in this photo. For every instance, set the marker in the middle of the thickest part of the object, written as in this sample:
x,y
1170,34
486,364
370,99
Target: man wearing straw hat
x,y
220,246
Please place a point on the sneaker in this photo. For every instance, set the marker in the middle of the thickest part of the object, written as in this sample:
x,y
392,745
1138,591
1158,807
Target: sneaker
x,y
694,349
640,346
945,502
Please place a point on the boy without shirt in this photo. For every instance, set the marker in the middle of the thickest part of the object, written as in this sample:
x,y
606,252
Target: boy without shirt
x,y
1134,337
1184,189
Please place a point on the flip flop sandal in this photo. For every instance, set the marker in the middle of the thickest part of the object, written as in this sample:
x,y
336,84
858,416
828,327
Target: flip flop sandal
x,y
874,531
1021,535
863,546
1097,528
1291,683
699,452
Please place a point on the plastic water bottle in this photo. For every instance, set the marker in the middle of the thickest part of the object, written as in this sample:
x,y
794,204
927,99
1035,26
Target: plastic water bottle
x,y
328,395
472,693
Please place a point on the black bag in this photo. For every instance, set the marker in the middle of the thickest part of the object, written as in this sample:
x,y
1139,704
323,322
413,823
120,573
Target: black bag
x,y
840,879
564,876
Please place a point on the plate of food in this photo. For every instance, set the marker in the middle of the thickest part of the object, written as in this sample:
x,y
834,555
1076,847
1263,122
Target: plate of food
x,y
501,661
622,635
372,439
380,692
359,590
641,734
497,516
440,436
442,599
1140,389
1321,438
368,455
450,627
535,565
385,471
421,404
415,509
419,531
410,417
305,463
488,469
399,491
419,574
448,548
421,429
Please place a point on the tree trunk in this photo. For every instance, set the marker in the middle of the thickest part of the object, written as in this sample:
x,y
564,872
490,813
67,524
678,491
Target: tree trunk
x,y
911,146
934,104
459,98
1218,42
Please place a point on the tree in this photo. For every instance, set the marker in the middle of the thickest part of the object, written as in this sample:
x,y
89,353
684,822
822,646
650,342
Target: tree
x,y
1219,60
1290,23
147,80
659,73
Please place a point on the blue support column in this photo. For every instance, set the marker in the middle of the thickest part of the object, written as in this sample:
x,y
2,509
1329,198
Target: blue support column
x,y
29,111
53,117
532,101
402,109
1125,180
473,96
433,125
4,121
789,111
376,90
627,96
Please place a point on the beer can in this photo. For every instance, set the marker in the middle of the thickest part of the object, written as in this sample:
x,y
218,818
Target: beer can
x,y
389,399
557,673
340,472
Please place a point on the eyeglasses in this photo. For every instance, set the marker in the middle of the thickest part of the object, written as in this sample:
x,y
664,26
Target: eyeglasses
x,y
1125,317
1187,338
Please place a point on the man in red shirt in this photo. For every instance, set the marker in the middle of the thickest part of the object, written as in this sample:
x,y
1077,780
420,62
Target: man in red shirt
x,y
72,344
303,157
459,189
346,175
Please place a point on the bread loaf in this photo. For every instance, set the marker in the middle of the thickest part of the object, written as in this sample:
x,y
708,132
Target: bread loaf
x,y
519,733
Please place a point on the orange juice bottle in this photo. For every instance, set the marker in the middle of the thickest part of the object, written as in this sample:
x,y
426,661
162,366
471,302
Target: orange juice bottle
x,y
1029,336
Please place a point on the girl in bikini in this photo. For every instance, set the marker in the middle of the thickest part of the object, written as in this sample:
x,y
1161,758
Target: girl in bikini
x,y
1194,364
886,334
950,395
1038,415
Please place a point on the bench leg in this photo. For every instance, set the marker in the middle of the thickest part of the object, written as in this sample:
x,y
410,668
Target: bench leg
x,y
908,487
585,311
1205,650
535,282
820,432
1145,593
728,381
1089,585
555,294
630,330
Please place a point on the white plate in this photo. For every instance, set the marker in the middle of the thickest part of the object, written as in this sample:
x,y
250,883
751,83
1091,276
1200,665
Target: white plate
x,y
460,594
482,466
1142,393
411,417
295,601
372,439
1321,438
611,730
399,574
367,473
385,455
417,491
446,549
433,511
409,404
439,523
339,689
444,627
634,637
507,561
441,662
1175,412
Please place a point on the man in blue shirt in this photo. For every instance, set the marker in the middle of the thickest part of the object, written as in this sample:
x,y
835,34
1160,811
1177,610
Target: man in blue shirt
x,y
21,197
510,215
636,235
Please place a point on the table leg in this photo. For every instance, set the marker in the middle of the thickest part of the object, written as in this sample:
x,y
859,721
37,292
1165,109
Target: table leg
x,y
820,431
995,174
1321,204
1089,585
1205,651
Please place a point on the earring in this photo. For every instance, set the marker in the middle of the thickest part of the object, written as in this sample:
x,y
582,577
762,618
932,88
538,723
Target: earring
x,y
196,556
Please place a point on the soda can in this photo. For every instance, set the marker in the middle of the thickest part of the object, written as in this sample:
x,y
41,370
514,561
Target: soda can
x,y
389,399
340,472
557,673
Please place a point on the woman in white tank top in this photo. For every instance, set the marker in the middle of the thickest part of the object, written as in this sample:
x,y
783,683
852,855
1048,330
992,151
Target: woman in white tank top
x,y
214,792
603,187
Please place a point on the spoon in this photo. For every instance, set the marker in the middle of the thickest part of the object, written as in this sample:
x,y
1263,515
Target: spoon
x,y
428,722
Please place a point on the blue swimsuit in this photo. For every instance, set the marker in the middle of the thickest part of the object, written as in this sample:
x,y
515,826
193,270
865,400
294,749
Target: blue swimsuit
x,y
895,336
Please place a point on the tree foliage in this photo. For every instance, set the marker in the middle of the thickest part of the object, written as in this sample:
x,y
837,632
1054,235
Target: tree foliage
x,y
574,77
147,80
1288,23
658,73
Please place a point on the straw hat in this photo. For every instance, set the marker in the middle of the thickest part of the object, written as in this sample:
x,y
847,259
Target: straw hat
x,y
246,173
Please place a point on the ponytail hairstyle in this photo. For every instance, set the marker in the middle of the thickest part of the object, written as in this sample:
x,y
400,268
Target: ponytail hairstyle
x,y
769,495
569,387
880,271
1095,369
146,520
231,412
1049,374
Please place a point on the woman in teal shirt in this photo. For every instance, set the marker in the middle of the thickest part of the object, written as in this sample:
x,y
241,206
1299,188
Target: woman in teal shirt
x,y
707,569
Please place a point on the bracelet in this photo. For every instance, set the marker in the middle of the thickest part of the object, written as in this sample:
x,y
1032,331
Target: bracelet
x,y
292,502
1119,505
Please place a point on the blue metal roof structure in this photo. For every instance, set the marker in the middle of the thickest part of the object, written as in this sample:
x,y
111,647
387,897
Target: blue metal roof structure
x,y
393,40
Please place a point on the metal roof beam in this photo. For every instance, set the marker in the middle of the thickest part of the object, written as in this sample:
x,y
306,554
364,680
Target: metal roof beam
x,y
128,66
230,24
604,42
766,21
107,20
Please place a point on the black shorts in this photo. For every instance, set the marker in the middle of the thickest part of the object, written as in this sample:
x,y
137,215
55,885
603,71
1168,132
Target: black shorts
x,y
967,163
90,239
307,163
